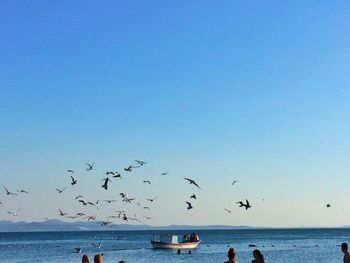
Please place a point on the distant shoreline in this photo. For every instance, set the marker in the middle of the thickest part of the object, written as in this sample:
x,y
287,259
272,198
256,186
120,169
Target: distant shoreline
x,y
55,225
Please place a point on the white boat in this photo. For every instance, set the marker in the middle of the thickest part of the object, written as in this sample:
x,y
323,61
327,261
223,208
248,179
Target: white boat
x,y
172,242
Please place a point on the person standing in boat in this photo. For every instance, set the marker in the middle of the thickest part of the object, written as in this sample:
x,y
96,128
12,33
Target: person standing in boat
x,y
231,253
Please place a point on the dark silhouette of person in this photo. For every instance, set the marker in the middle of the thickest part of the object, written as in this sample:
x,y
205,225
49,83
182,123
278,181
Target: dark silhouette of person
x,y
231,254
258,257
344,249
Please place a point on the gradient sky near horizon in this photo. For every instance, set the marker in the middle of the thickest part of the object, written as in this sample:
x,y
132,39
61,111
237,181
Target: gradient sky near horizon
x,y
257,91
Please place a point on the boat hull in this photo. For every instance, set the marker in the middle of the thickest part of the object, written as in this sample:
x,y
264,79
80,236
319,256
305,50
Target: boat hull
x,y
184,245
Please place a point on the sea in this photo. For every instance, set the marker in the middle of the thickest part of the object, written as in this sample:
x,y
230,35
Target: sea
x,y
277,245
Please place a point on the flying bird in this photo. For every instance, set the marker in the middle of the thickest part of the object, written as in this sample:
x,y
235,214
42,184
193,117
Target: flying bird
x,y
62,213
8,192
108,173
165,173
129,169
110,201
90,166
148,218
70,171
235,181
140,162
192,182
104,223
146,182
99,245
229,211
22,191
128,200
152,199
328,205
14,213
123,195
90,218
105,184
117,175
80,214
146,207
193,196
79,196
60,191
246,205
74,181
189,205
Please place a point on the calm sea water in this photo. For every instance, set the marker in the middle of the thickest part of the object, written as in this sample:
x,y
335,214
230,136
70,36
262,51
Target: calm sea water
x,y
278,245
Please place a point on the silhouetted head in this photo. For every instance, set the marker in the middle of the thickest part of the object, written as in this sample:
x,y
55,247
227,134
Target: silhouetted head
x,y
344,247
231,253
85,259
98,258
257,255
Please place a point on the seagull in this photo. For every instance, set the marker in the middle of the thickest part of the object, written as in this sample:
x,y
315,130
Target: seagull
x,y
22,191
80,214
192,182
146,207
128,200
152,199
149,218
74,181
105,184
117,175
60,191
79,196
99,245
193,196
8,192
14,213
129,169
91,166
108,173
83,202
140,162
235,181
125,218
189,205
146,181
61,212
109,201
104,223
90,218
77,249
328,205
123,195
229,211
165,173
70,171
246,205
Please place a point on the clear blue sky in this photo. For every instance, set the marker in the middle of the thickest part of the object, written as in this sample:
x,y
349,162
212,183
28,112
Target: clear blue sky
x,y
215,91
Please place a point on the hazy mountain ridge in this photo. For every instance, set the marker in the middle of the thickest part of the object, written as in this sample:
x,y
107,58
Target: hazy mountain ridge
x,y
58,225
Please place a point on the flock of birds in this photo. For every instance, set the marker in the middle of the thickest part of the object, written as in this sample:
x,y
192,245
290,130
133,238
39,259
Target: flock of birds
x,y
125,198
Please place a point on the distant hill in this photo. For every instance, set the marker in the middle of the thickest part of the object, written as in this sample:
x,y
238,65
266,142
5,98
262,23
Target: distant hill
x,y
58,225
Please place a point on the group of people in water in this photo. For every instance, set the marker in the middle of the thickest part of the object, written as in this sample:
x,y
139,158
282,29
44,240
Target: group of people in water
x,y
259,257
231,254
97,259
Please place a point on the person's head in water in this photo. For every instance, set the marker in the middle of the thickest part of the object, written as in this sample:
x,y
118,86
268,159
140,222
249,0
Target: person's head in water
x,y
231,253
98,258
257,255
85,259
344,247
